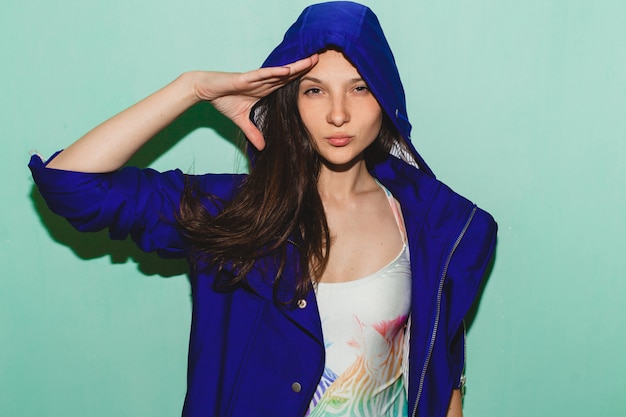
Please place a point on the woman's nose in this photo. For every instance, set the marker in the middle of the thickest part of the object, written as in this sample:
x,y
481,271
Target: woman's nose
x,y
338,113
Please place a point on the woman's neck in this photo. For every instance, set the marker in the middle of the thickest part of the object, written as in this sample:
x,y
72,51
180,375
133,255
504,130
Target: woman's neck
x,y
339,184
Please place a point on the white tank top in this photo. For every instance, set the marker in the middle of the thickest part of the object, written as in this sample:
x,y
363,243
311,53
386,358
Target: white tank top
x,y
363,325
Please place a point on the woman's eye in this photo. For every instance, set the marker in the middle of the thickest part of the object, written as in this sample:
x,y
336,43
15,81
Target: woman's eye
x,y
361,88
312,91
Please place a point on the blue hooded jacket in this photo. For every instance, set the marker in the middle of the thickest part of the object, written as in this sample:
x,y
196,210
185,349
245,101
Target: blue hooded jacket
x,y
248,355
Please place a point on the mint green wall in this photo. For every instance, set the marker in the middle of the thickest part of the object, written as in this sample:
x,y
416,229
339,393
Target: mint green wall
x,y
520,105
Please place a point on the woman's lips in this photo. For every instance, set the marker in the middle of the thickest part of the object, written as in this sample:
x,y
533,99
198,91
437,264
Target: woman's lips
x,y
339,140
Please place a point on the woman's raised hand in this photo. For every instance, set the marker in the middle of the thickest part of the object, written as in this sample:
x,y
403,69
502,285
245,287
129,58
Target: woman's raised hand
x,y
110,145
234,94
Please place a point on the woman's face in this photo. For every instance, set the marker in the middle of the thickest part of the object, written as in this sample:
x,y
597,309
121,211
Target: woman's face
x,y
339,111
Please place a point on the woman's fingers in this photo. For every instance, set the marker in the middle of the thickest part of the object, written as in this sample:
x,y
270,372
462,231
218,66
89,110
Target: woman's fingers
x,y
303,64
273,78
234,95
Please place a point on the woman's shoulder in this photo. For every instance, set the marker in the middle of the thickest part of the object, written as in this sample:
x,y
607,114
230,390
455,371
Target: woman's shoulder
x,y
426,198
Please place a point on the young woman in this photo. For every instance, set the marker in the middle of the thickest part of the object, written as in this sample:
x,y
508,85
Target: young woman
x,y
331,280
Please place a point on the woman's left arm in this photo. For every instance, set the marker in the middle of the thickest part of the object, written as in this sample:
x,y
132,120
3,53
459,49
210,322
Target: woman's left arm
x,y
455,409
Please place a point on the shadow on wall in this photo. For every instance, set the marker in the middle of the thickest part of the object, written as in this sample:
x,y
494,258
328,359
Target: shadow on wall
x,y
202,115
96,245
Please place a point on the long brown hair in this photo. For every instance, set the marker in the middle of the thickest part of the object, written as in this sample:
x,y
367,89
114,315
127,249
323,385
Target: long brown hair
x,y
277,205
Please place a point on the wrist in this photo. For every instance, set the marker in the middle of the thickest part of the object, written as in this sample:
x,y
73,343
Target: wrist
x,y
186,84
193,82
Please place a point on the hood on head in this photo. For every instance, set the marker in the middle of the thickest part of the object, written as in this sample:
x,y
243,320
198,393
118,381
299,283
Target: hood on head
x,y
355,30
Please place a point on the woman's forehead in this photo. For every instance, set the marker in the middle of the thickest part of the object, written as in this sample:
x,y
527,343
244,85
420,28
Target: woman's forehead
x,y
333,64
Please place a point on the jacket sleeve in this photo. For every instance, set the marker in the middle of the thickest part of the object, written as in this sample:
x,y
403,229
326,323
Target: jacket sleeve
x,y
141,203
464,278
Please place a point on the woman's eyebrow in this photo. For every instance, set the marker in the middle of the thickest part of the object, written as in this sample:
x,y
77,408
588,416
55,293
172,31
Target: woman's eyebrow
x,y
312,79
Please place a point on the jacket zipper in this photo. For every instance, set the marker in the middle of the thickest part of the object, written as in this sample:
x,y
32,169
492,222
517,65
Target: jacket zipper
x,y
438,312
462,379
